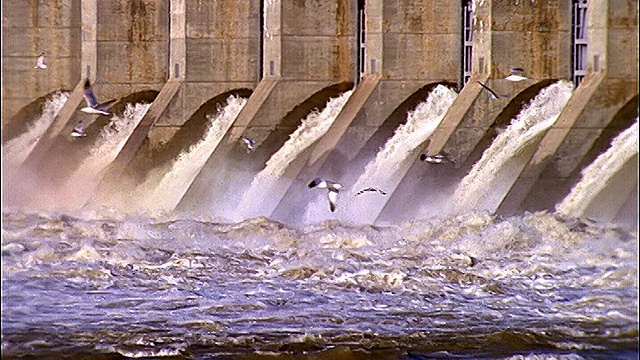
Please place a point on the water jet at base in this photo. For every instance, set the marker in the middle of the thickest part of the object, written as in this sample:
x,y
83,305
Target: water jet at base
x,y
386,170
268,187
598,176
161,192
111,140
493,175
16,150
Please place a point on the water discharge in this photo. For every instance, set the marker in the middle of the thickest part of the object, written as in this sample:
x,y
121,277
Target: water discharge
x,y
264,193
162,191
389,166
493,175
16,150
110,141
596,177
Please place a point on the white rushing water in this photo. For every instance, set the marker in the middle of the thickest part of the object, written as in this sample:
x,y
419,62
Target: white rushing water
x,y
162,192
597,175
16,150
391,163
263,194
111,140
494,174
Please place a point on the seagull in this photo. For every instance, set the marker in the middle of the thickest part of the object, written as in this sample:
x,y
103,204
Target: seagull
x,y
250,142
40,64
78,131
516,75
436,159
93,106
491,92
332,187
382,192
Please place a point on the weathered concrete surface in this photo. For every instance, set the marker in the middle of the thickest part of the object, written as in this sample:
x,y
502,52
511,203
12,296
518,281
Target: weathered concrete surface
x,y
29,28
610,85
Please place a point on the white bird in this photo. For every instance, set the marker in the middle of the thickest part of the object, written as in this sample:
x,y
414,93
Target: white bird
x,y
41,62
251,143
332,190
382,192
78,131
492,93
516,75
93,106
436,159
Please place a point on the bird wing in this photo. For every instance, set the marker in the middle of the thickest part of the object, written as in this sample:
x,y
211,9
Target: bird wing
x,y
41,61
105,104
493,93
371,189
333,199
318,182
90,97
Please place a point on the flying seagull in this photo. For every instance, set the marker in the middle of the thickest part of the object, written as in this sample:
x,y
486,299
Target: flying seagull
x,y
41,62
491,92
436,159
332,190
516,75
78,131
93,106
251,143
382,192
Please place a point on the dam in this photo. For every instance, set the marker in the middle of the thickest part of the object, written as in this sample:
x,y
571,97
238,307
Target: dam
x,y
487,152
349,90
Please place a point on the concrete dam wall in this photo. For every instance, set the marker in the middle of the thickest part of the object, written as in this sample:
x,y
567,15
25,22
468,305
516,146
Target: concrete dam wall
x,y
191,78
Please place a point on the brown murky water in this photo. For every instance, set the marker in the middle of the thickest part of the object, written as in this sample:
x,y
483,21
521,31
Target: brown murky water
x,y
464,287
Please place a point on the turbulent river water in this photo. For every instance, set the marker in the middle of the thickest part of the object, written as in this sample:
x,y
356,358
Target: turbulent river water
x,y
471,286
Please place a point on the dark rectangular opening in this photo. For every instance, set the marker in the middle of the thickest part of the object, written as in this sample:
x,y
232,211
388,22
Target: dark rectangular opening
x,y
579,41
467,44
360,41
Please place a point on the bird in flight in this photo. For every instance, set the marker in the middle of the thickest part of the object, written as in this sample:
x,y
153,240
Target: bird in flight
x,y
516,75
382,192
93,107
332,190
251,143
436,159
40,64
492,93
78,131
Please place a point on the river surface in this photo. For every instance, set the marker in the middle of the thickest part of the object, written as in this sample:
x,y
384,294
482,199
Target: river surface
x,y
470,286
